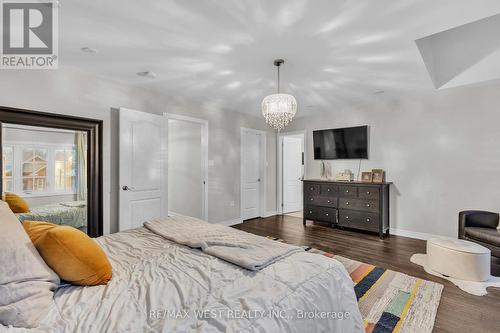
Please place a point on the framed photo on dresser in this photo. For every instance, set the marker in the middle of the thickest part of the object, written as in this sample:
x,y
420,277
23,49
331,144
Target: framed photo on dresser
x,y
367,177
378,176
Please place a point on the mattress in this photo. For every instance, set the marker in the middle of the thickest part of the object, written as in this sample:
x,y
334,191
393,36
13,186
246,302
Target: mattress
x,y
161,286
73,214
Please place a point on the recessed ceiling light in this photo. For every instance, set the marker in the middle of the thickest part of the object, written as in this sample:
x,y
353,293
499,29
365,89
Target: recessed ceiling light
x,y
147,74
378,92
87,49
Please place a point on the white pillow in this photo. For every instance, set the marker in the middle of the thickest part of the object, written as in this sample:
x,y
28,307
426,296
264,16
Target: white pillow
x,y
27,284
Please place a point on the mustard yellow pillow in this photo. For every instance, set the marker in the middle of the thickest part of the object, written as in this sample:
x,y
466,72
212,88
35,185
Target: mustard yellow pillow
x,y
36,229
16,203
73,255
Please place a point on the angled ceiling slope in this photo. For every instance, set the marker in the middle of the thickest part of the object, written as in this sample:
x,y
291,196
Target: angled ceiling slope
x,y
463,55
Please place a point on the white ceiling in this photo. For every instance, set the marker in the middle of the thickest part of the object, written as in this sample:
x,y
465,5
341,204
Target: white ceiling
x,y
337,52
463,55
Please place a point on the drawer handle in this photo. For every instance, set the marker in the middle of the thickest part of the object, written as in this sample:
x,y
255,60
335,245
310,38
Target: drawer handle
x,y
367,220
312,199
368,192
326,214
310,212
346,191
328,190
328,201
347,203
367,205
347,217
312,188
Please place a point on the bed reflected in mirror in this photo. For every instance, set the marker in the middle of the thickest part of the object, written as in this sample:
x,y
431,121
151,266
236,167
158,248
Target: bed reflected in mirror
x,y
44,176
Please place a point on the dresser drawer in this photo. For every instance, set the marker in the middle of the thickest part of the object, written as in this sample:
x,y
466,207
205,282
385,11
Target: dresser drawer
x,y
368,192
323,214
312,199
359,204
327,190
326,201
358,220
348,191
311,189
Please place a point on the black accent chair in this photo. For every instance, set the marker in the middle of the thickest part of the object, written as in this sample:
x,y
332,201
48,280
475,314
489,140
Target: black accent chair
x,y
480,227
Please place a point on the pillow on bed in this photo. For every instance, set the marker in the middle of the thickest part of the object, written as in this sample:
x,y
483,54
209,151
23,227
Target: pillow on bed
x,y
16,203
73,255
26,282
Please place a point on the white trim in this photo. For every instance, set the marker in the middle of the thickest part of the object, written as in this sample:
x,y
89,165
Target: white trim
x,y
204,153
412,234
279,159
229,223
263,164
47,194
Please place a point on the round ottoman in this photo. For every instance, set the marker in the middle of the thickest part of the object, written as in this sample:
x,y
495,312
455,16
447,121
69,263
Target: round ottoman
x,y
459,259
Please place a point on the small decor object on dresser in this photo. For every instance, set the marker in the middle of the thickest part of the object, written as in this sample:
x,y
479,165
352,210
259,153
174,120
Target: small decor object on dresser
x,y
367,177
378,175
326,170
344,176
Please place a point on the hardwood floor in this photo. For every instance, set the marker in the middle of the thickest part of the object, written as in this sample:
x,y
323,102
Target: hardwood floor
x,y
458,311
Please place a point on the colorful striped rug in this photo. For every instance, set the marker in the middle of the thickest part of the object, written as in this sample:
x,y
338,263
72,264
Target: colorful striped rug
x,y
390,301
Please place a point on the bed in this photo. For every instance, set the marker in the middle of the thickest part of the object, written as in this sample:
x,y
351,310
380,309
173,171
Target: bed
x,y
162,286
71,213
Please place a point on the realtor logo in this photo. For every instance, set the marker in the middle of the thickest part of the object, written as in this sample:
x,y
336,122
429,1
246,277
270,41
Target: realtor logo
x,y
29,34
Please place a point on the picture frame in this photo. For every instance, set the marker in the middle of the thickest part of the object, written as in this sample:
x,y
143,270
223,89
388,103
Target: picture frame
x,y
378,176
367,177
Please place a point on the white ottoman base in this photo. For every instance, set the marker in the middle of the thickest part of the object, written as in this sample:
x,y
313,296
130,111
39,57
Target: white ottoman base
x,y
459,259
471,287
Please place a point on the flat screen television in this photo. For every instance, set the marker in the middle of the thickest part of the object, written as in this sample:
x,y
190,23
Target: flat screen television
x,y
341,143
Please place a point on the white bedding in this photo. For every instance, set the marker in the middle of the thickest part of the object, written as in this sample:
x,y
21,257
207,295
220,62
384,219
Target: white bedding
x,y
238,247
161,286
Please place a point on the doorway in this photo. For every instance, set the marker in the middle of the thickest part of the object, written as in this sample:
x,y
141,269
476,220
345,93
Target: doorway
x,y
291,170
253,152
187,166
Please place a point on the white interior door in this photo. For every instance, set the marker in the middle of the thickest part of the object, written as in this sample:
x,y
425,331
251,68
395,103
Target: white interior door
x,y
250,174
292,173
143,167
187,163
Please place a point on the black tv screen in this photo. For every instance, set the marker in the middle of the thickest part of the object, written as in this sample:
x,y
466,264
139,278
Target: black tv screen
x,y
341,143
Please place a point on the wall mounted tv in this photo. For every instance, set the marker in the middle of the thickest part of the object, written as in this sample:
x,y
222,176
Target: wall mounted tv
x,y
341,143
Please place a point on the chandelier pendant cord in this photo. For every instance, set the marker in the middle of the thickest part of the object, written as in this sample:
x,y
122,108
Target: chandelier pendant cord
x,y
278,79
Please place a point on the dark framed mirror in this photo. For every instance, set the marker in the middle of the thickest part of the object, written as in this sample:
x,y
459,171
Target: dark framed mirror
x,y
53,164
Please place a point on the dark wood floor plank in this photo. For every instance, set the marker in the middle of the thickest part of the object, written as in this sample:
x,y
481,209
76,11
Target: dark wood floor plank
x,y
458,311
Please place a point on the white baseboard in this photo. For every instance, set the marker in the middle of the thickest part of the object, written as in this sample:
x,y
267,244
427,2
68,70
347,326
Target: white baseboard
x,y
412,234
270,213
231,222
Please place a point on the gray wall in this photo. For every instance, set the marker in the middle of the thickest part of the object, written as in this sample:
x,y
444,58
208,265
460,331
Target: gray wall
x,y
74,93
39,136
441,151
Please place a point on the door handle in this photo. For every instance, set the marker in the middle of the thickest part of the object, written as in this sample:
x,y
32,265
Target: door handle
x,y
127,188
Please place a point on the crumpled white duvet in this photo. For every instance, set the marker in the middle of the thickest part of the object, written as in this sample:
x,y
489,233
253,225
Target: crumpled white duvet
x,y
161,286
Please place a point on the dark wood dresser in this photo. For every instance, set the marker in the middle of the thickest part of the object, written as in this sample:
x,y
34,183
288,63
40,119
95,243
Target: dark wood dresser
x,y
363,206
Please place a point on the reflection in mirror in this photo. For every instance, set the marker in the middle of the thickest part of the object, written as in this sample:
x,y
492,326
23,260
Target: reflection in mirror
x,y
45,169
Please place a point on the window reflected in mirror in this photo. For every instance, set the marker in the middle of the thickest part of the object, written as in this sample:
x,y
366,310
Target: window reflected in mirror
x,y
47,169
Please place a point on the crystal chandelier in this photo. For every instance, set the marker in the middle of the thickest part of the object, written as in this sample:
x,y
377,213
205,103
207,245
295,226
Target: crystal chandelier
x,y
279,109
